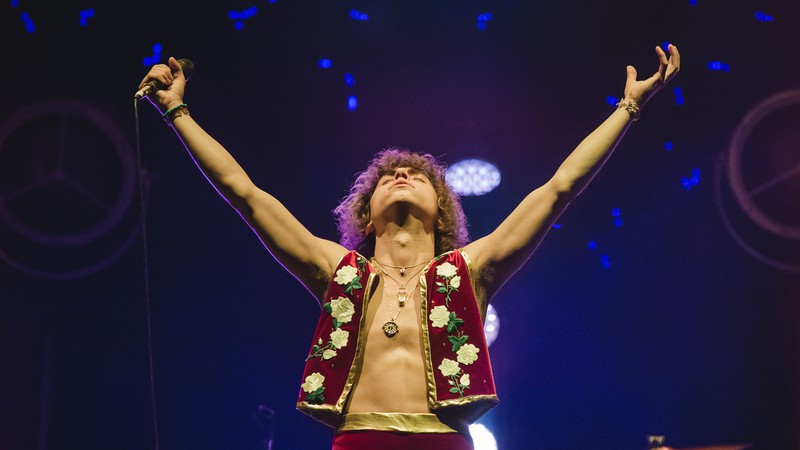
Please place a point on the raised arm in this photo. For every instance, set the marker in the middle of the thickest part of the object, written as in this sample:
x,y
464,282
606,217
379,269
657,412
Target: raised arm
x,y
310,259
501,253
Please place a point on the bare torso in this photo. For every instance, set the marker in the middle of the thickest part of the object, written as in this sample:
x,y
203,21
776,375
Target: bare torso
x,y
392,377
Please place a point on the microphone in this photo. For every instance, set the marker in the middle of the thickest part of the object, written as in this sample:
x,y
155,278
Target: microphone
x,y
188,69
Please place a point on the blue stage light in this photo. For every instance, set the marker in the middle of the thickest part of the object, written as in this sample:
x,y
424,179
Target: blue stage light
x,y
557,226
693,2
473,177
84,16
324,63
668,146
611,100
349,80
352,103
605,261
618,222
719,66
761,17
238,25
483,19
14,3
357,15
26,19
616,212
592,245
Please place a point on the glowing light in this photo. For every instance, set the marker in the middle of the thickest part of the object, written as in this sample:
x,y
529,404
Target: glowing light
x,y
668,146
678,96
324,63
26,19
246,14
352,103
483,20
238,25
616,212
349,80
611,100
356,15
84,16
693,2
155,58
618,222
761,17
491,328
592,245
14,3
557,226
605,261
689,182
473,177
719,66
482,438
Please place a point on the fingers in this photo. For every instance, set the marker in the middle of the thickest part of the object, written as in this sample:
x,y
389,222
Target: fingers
x,y
669,68
674,64
175,67
631,74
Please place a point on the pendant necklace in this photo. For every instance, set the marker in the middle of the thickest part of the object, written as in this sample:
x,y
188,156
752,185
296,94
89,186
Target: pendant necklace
x,y
402,268
390,327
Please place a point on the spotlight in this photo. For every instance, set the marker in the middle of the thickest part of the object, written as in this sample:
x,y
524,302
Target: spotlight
x,y
482,438
473,177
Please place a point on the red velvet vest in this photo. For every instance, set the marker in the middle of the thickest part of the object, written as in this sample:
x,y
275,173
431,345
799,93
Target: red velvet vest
x,y
457,366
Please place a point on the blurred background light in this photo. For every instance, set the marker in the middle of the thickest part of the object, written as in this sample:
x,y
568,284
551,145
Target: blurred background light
x,y
482,438
473,177
491,327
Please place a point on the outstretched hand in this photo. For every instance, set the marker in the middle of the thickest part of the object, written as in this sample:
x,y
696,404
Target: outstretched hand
x,y
172,77
642,90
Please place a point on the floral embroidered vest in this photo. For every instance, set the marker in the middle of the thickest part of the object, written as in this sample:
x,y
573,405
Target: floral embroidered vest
x,y
457,366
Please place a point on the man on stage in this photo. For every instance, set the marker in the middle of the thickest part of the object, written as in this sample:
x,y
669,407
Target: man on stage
x,y
398,359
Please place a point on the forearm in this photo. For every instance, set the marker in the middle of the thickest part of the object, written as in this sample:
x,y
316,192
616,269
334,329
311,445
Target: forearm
x,y
590,155
214,161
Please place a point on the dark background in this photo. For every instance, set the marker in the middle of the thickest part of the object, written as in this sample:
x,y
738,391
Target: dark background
x,y
686,333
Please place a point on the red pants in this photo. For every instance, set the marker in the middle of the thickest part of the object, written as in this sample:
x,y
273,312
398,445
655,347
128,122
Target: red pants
x,y
392,440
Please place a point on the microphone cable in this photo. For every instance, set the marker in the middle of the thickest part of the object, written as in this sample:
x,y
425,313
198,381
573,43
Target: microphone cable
x,y
146,274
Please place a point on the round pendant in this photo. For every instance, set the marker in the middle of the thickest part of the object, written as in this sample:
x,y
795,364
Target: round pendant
x,y
390,328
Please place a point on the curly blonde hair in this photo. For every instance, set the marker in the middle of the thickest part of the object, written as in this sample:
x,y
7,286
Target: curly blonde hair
x,y
353,213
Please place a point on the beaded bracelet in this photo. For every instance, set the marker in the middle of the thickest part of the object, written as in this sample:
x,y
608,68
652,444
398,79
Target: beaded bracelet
x,y
175,112
631,107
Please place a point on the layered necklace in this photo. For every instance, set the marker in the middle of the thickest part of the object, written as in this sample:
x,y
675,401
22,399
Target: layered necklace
x,y
390,328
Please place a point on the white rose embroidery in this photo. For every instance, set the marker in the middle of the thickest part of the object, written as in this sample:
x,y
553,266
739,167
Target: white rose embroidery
x,y
467,354
345,275
328,354
455,281
440,316
464,381
342,309
449,367
446,270
339,338
313,382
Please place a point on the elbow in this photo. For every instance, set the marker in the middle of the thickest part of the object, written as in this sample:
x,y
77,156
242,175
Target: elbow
x,y
564,189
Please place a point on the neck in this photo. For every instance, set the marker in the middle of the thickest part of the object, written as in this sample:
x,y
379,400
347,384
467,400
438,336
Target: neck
x,y
404,246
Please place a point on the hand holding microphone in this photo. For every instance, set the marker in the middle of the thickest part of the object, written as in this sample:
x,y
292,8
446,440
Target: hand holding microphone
x,y
164,84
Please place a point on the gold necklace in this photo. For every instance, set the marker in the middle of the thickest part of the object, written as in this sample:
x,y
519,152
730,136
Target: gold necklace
x,y
390,328
402,268
402,293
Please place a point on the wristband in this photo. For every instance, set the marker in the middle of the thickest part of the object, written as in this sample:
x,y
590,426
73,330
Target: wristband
x,y
175,112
